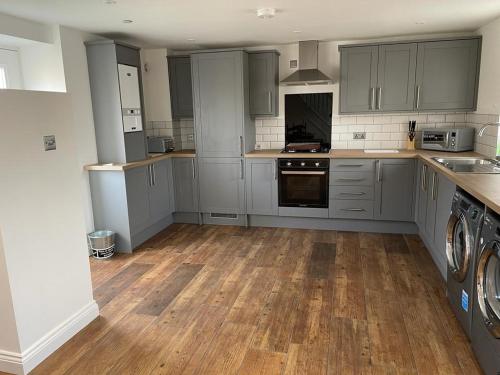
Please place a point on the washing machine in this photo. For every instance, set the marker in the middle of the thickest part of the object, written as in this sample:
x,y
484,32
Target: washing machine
x,y
486,309
464,228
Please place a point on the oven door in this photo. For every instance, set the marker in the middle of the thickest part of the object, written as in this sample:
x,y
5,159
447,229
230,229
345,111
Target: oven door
x,y
303,188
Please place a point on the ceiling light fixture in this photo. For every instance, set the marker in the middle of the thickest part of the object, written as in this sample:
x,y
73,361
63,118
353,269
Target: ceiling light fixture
x,y
420,23
127,21
296,31
266,13
109,2
191,39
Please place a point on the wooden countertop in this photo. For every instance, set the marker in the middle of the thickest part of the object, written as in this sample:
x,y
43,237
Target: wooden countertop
x,y
485,187
151,159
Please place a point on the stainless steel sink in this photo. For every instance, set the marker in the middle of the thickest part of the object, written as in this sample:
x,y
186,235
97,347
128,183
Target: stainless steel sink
x,y
470,165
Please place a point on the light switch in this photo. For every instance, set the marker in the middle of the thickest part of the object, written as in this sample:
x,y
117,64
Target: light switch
x,y
49,142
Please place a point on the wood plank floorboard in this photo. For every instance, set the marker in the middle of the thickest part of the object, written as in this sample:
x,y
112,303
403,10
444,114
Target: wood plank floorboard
x,y
234,300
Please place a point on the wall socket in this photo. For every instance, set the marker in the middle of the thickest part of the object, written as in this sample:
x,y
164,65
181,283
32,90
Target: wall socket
x,y
190,137
359,135
49,142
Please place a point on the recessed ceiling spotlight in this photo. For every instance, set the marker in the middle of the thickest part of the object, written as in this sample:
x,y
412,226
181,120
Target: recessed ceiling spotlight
x,y
191,39
266,13
110,2
127,21
296,31
420,23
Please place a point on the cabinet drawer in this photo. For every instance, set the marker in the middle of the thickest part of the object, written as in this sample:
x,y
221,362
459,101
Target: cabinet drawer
x,y
352,165
351,209
351,192
351,178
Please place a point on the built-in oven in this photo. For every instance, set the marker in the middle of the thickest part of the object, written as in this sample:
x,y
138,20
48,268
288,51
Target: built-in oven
x,y
303,182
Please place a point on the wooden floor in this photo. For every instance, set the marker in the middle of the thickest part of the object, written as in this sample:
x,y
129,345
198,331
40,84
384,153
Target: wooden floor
x,y
227,300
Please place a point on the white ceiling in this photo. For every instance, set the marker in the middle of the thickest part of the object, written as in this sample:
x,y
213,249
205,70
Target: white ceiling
x,y
225,23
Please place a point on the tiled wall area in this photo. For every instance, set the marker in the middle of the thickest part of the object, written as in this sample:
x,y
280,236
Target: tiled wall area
x,y
182,131
387,131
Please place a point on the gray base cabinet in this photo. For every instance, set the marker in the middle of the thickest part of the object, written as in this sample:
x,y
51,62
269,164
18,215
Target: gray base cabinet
x,y
222,185
181,92
185,184
263,71
262,186
395,189
434,199
135,204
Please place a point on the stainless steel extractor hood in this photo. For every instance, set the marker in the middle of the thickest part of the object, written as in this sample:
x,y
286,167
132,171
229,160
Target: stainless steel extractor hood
x,y
308,73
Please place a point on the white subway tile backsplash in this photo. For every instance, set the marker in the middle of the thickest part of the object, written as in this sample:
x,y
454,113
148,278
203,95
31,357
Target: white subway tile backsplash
x,y
436,118
390,128
398,119
270,137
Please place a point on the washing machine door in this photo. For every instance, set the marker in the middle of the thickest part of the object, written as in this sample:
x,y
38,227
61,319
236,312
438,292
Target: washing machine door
x,y
458,246
488,286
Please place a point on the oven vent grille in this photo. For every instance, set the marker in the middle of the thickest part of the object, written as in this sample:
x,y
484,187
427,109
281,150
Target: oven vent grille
x,y
223,216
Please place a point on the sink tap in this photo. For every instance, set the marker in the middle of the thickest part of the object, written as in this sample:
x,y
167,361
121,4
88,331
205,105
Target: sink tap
x,y
481,131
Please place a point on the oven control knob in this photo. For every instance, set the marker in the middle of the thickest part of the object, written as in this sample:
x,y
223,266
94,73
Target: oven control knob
x,y
302,164
288,164
316,164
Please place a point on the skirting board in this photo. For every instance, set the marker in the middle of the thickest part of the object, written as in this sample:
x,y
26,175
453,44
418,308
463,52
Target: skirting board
x,y
375,226
22,363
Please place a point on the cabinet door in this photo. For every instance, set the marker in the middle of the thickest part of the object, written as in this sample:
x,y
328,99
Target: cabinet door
x,y
422,195
262,186
395,189
358,79
444,192
396,77
219,103
161,191
222,187
263,79
181,92
447,75
137,185
185,185
430,218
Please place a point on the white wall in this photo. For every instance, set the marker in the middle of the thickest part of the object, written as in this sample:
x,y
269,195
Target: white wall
x,y
77,85
42,65
42,221
489,79
25,29
10,60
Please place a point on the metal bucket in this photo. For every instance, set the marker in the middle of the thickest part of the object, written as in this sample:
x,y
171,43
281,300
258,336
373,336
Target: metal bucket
x,y
102,243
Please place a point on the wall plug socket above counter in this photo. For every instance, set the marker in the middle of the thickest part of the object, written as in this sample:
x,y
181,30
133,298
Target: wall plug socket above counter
x,y
359,135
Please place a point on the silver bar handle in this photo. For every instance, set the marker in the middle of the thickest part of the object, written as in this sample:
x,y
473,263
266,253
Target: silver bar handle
x,y
153,168
350,165
150,175
379,171
434,186
193,168
418,97
353,209
275,164
379,98
241,145
298,173
424,177
269,102
372,98
349,179
356,194
241,166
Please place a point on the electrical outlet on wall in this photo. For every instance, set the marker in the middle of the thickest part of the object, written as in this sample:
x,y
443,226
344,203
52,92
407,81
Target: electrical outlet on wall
x,y
257,147
359,135
190,137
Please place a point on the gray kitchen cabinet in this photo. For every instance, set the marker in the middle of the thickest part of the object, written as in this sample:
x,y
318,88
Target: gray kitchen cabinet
x,y
161,191
396,77
394,189
263,71
430,217
447,75
444,192
358,79
117,101
137,185
422,194
185,184
220,87
262,186
222,185
181,92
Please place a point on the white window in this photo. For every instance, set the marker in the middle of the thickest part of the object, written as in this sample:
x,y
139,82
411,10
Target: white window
x,y
3,77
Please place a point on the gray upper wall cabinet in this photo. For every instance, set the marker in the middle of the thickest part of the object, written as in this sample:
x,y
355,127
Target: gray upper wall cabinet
x,y
181,93
117,139
396,77
220,87
358,79
410,76
447,75
264,83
